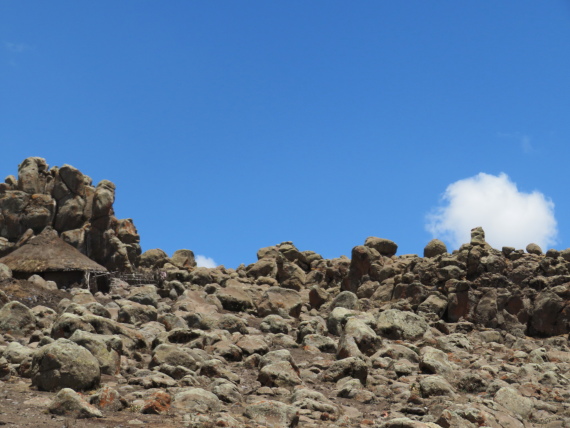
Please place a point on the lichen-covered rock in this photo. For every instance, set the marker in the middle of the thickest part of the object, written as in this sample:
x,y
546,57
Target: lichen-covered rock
x,y
395,324
16,318
280,301
434,248
273,414
197,400
64,364
69,403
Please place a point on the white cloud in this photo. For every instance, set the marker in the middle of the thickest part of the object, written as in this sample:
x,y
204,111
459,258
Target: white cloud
x,y
203,261
508,216
17,47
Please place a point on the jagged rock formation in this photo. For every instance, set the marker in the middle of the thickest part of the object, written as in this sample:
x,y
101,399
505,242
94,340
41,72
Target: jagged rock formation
x,y
66,200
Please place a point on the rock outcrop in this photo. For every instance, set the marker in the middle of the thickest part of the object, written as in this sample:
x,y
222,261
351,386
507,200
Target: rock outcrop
x,y
476,337
65,199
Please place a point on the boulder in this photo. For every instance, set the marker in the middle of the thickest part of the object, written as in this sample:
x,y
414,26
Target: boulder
x,y
434,248
33,175
235,299
383,246
64,364
401,325
290,275
511,399
279,374
349,367
154,258
478,236
435,385
534,249
273,414
197,400
183,259
16,318
101,347
67,402
280,301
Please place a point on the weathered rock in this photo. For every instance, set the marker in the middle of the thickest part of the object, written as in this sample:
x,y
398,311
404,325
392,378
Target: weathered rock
x,y
226,391
435,385
347,300
534,249
353,366
197,400
434,248
64,364
514,401
101,347
154,258
108,399
157,403
434,361
173,355
235,299
395,324
274,324
69,403
273,414
33,175
15,353
279,374
383,246
478,236
363,336
290,275
550,315
280,301
15,318
183,259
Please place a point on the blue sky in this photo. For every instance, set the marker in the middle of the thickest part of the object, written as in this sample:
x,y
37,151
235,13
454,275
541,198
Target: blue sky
x,y
229,126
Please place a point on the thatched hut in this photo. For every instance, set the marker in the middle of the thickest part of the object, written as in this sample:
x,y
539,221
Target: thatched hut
x,y
55,260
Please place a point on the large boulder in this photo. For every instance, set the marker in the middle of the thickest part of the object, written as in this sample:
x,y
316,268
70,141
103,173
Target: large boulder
x,y
401,325
280,301
197,400
434,248
33,175
383,246
64,364
183,259
16,318
273,414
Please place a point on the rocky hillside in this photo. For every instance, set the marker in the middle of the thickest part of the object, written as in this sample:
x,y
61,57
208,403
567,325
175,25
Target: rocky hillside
x,y
474,338
65,199
477,338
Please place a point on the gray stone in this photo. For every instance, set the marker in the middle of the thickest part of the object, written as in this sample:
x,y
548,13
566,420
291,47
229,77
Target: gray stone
x,y
280,301
64,364
534,249
435,385
197,400
67,402
383,246
434,248
401,325
515,402
273,414
16,318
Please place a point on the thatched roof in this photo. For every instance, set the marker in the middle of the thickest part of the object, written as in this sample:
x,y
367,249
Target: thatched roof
x,y
48,253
